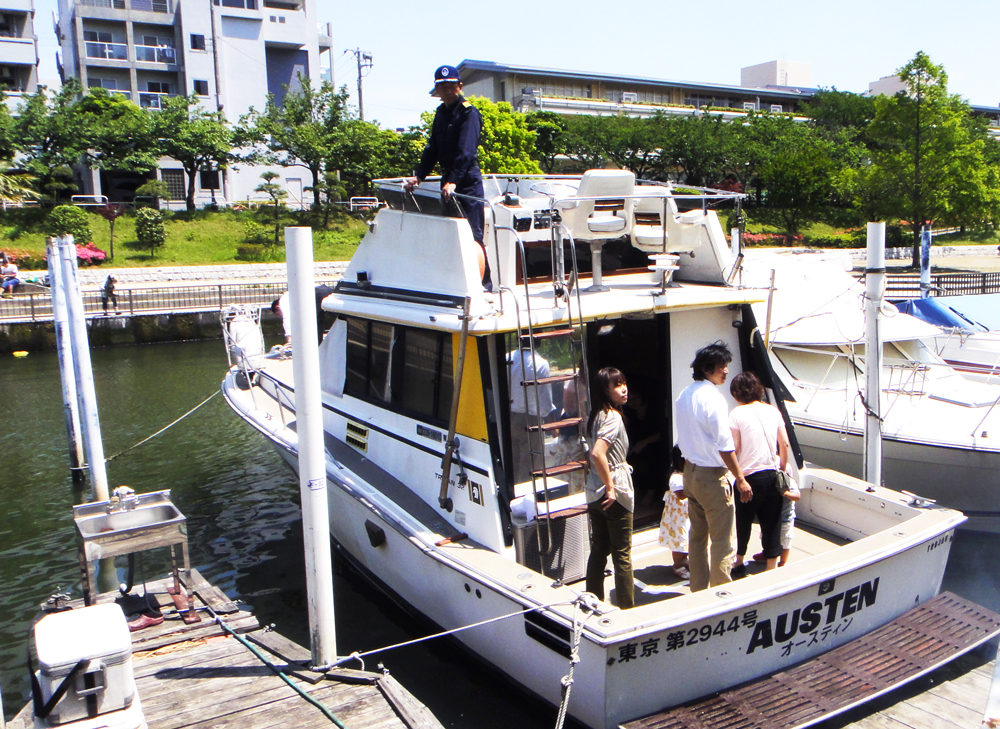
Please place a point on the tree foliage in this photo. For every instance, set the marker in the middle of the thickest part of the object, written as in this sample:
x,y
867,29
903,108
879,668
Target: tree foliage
x,y
70,220
149,229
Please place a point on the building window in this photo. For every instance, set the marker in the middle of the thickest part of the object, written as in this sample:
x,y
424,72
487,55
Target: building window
x,y
407,370
200,87
209,179
102,83
247,4
776,108
197,42
158,87
174,180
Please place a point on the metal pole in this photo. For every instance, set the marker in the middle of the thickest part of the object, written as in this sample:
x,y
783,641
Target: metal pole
x,y
312,457
874,292
84,371
925,262
60,320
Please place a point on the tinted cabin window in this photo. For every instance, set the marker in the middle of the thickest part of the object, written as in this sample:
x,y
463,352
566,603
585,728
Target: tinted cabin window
x,y
405,369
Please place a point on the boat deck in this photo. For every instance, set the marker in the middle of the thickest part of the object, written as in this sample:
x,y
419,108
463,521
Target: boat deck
x,y
201,675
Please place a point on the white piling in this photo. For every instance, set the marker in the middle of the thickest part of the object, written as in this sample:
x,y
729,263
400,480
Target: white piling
x,y
71,405
874,293
312,454
80,344
925,262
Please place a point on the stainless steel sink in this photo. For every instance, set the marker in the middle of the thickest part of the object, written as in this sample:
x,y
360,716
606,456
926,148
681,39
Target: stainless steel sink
x,y
109,528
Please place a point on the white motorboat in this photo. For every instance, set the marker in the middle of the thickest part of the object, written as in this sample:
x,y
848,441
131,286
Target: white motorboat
x,y
965,344
422,494
940,430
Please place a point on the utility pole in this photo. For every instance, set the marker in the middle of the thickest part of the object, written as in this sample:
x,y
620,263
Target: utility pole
x,y
364,64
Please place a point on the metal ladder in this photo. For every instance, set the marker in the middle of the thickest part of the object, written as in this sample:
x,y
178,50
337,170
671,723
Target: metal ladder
x,y
572,332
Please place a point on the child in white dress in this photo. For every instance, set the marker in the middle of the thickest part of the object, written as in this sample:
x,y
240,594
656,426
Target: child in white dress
x,y
674,524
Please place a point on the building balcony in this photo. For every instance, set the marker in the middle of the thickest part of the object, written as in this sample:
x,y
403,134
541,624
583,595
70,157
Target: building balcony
x,y
22,5
107,51
149,6
153,100
155,54
18,51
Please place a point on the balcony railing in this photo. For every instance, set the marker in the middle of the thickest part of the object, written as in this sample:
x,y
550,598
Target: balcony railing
x,y
108,51
150,6
152,100
155,54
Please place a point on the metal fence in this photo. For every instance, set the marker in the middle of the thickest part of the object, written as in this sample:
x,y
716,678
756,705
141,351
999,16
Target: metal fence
x,y
907,285
146,301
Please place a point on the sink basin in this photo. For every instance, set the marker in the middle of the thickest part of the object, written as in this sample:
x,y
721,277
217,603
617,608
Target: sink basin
x,y
108,530
118,521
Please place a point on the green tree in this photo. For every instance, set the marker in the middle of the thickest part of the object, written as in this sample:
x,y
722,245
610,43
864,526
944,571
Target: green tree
x,y
506,145
198,139
550,137
928,152
51,137
695,149
149,229
631,144
583,141
277,194
362,152
836,111
297,131
155,189
70,220
118,134
799,183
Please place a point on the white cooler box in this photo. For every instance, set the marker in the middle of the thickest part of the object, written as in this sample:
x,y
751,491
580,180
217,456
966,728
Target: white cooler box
x,y
98,634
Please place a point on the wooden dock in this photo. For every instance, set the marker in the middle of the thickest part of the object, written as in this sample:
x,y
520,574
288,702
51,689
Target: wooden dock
x,y
213,673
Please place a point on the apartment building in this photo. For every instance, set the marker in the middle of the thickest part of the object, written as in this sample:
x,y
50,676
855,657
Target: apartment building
x,y
229,53
18,50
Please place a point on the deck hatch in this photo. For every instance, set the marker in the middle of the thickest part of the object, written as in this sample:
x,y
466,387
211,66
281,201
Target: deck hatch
x,y
910,646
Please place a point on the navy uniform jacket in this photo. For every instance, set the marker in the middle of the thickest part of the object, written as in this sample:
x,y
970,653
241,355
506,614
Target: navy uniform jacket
x,y
454,143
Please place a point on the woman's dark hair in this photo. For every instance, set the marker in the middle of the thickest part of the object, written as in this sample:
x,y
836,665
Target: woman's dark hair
x,y
607,379
746,388
708,358
676,460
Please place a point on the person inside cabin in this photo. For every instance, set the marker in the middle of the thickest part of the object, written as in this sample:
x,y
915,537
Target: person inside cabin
x,y
324,319
644,451
675,524
702,419
9,273
569,447
610,496
108,294
454,145
762,450
525,411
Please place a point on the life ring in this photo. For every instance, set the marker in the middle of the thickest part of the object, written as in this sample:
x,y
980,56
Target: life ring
x,y
20,353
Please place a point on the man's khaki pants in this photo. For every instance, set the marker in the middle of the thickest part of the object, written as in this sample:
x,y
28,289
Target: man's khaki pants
x,y
713,518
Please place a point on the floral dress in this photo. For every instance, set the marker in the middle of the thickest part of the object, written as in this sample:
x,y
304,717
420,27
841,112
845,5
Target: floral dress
x,y
674,524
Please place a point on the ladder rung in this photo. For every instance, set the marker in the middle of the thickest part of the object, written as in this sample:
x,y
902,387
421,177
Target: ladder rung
x,y
570,467
556,425
553,333
549,380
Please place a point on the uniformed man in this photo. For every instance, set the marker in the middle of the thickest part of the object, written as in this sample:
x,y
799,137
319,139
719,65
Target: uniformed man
x,y
454,144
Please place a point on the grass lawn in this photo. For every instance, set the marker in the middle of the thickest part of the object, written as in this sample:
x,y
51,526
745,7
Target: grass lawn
x,y
193,239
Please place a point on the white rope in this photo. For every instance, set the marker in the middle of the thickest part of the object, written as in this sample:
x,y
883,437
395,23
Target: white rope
x,y
144,440
358,655
587,604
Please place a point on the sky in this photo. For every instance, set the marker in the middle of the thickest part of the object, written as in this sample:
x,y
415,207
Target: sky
x,y
847,43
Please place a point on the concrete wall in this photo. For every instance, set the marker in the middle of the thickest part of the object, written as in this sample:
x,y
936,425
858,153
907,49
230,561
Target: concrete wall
x,y
119,330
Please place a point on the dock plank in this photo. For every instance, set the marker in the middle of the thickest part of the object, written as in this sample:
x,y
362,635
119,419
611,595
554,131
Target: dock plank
x,y
200,677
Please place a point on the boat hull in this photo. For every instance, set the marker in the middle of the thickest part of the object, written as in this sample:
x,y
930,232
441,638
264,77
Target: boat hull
x,y
632,668
960,478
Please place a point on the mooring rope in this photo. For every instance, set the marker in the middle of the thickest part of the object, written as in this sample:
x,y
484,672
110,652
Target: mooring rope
x,y
586,604
145,440
358,655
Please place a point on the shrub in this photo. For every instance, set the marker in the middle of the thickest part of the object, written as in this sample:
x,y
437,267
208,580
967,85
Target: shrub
x,y
255,234
26,260
69,220
90,254
149,229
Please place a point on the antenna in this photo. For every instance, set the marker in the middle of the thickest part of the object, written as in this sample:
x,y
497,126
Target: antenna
x,y
364,64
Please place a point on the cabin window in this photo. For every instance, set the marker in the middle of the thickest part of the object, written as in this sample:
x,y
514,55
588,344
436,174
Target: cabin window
x,y
406,369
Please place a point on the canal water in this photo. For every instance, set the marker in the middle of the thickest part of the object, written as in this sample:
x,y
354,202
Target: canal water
x,y
244,524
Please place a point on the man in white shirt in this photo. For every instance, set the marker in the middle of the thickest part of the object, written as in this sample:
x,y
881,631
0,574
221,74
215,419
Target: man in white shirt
x,y
9,273
706,443
524,368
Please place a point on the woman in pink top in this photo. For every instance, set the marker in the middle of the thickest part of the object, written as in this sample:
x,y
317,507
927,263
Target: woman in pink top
x,y
761,448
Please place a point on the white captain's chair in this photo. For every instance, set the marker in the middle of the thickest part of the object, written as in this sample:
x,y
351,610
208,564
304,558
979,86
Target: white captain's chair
x,y
659,230
606,216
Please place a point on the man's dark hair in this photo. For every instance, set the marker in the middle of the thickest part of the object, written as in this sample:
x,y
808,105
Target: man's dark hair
x,y
274,306
708,358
